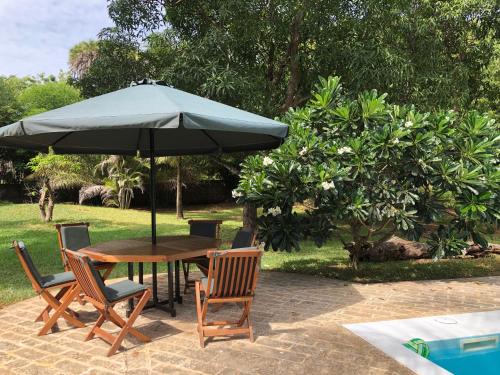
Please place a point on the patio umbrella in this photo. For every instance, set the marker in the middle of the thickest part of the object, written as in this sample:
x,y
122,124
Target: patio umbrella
x,y
147,119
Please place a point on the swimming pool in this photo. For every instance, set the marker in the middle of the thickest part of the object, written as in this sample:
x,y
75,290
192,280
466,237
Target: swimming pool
x,y
463,344
467,355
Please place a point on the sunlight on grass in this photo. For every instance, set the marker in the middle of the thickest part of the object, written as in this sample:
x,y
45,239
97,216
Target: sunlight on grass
x,y
21,222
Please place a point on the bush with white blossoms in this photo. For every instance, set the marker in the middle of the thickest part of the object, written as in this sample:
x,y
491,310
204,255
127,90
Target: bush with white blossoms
x,y
343,150
327,185
275,211
376,167
267,161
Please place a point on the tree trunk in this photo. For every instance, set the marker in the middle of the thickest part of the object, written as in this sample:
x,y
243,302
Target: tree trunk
x,y
249,216
41,201
46,202
178,202
292,91
50,204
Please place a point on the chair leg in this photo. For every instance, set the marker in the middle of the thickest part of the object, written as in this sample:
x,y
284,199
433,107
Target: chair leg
x,y
117,319
199,313
60,309
44,315
98,324
126,327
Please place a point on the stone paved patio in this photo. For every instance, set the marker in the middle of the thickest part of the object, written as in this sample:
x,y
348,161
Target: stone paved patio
x,y
297,324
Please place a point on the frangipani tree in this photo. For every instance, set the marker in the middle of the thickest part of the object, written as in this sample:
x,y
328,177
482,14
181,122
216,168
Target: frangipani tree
x,y
376,167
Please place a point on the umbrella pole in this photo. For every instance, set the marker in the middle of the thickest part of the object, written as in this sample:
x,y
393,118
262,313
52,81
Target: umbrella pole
x,y
152,191
152,183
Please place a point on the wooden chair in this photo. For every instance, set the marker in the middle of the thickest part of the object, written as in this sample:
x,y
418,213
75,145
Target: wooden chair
x,y
232,277
204,228
243,238
43,285
75,236
104,298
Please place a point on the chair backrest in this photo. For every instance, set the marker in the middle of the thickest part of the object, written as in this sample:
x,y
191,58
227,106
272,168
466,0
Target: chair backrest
x,y
73,236
205,228
86,275
28,265
243,238
233,273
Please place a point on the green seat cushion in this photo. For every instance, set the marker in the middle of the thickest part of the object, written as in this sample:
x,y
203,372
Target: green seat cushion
x,y
122,289
204,282
56,279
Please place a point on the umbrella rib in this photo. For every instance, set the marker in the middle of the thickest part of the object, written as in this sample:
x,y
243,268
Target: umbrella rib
x,y
60,139
212,139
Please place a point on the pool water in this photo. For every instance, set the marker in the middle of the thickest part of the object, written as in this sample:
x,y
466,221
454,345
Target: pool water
x,y
478,355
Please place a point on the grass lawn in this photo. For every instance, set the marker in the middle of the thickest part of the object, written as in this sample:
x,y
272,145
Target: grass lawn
x,y
22,222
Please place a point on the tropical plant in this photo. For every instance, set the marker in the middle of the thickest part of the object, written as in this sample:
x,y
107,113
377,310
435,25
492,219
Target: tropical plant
x,y
123,175
54,172
377,168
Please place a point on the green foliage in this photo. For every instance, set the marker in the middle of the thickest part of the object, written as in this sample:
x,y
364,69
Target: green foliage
x,y
265,56
44,97
447,242
10,108
378,167
62,171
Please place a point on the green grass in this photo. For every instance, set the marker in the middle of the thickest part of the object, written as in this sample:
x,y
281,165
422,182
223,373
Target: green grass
x,y
21,222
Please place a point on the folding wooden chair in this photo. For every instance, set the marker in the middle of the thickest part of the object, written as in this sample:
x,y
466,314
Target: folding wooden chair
x,y
232,277
65,282
104,298
204,228
75,236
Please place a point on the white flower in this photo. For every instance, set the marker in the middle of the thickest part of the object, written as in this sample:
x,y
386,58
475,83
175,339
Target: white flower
x,y
344,150
303,151
275,211
267,161
395,141
236,194
408,124
327,185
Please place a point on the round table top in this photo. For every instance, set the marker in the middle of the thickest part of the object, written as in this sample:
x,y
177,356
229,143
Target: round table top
x,y
167,249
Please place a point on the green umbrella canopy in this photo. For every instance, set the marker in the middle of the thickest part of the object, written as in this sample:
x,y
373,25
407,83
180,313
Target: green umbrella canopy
x,y
119,123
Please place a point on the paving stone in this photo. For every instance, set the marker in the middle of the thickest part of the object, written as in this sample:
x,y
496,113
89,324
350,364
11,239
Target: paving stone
x,y
293,335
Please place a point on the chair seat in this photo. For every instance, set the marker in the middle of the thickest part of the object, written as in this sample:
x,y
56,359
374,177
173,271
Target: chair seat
x,y
122,289
57,279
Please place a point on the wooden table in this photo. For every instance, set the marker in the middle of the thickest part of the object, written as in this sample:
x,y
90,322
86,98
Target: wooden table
x,y
169,249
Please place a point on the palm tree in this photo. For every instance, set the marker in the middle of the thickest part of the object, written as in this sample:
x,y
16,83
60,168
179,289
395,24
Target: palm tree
x,y
124,174
81,56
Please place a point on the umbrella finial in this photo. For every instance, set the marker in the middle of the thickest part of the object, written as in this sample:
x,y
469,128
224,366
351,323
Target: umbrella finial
x,y
148,81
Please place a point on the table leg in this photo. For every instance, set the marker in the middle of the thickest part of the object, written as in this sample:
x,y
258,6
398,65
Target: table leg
x,y
130,306
178,297
171,289
155,283
141,273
